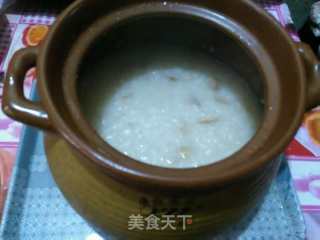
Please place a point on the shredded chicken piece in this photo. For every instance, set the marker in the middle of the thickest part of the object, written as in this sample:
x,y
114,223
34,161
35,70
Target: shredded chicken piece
x,y
184,152
221,99
172,78
208,120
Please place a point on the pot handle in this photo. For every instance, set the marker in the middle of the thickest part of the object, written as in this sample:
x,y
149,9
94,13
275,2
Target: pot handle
x,y
312,67
14,103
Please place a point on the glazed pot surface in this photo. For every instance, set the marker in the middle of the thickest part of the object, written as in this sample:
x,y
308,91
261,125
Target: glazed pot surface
x,y
104,185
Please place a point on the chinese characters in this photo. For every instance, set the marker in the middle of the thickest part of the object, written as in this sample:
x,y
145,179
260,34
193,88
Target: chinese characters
x,y
155,223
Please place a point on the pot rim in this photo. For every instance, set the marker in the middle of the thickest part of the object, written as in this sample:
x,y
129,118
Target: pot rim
x,y
148,176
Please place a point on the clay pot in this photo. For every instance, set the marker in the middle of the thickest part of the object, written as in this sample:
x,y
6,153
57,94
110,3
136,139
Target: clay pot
x,y
105,186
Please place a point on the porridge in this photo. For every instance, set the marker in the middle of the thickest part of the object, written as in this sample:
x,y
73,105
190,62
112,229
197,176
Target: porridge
x,y
170,108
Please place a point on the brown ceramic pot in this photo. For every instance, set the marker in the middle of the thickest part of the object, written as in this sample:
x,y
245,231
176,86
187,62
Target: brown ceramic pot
x,y
105,186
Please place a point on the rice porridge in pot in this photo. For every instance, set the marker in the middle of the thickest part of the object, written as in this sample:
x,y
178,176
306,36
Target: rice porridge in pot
x,y
170,108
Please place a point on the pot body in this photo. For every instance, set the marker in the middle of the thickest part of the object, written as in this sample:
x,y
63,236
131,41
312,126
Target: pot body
x,y
105,187
108,204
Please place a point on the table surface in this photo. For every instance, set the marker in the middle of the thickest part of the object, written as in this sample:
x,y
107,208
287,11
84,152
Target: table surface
x,y
303,154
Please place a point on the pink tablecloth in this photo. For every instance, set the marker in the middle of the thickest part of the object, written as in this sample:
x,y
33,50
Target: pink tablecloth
x,y
303,153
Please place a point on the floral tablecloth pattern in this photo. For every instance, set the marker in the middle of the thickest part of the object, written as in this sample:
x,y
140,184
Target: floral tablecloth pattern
x,y
303,153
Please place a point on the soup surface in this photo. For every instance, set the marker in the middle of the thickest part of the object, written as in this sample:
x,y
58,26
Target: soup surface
x,y
170,108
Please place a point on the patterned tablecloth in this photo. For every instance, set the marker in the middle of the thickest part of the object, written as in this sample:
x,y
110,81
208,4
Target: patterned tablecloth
x,y
303,153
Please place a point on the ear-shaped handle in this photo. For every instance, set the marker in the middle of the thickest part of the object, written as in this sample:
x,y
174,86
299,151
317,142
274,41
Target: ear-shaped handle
x,y
312,67
14,103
